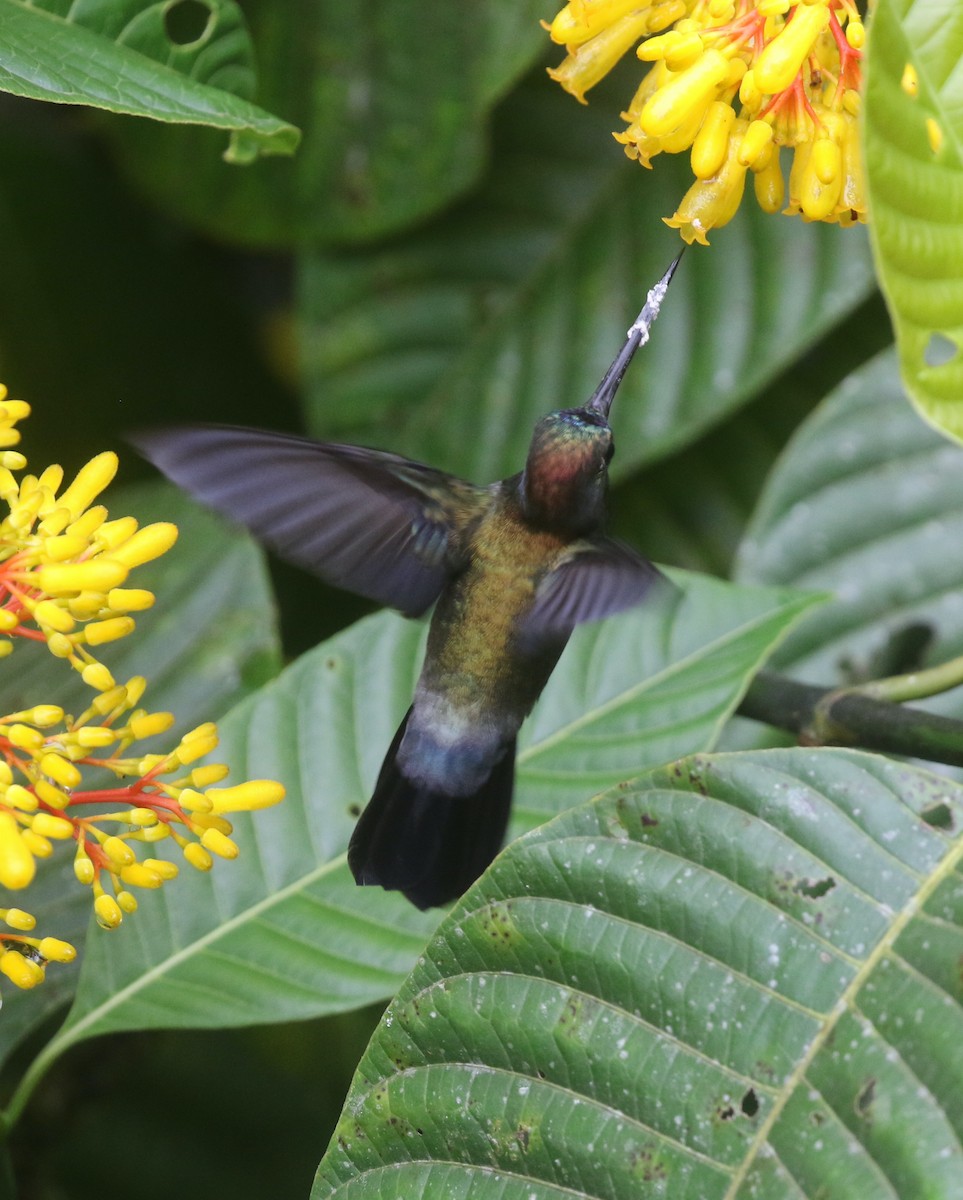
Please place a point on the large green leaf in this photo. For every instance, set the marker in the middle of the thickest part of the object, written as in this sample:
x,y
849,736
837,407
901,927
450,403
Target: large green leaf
x,y
209,641
393,103
283,932
122,58
737,977
866,502
461,335
916,195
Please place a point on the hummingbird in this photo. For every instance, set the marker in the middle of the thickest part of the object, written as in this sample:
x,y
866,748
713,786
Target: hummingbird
x,y
512,568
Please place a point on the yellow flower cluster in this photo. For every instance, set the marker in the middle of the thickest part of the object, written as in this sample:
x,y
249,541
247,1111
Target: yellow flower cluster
x,y
62,569
63,564
732,81
43,756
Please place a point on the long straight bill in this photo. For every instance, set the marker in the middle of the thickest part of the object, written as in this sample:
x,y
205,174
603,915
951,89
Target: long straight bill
x,y
637,336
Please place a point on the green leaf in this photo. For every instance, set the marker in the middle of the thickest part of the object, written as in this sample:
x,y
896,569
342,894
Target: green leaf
x,y
209,641
393,103
121,58
461,335
283,933
734,978
866,502
916,196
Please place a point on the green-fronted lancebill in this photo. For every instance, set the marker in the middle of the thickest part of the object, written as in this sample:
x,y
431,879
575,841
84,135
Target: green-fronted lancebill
x,y
512,568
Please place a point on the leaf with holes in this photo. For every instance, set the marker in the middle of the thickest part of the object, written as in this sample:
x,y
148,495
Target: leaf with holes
x,y
914,172
283,933
209,640
394,106
462,335
736,977
123,58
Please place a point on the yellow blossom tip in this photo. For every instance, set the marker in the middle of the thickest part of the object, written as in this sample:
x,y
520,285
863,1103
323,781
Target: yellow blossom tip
x,y
934,134
24,737
148,543
90,481
154,833
44,715
51,795
118,851
202,777
142,817
127,901
16,918
84,870
94,737
129,599
54,950
60,770
49,614
59,645
20,798
98,575
139,875
193,801
218,844
246,797
8,620
198,857
99,632
38,845
145,725
49,826
166,870
13,410
688,92
17,864
12,460
108,912
20,970
782,58
97,676
910,82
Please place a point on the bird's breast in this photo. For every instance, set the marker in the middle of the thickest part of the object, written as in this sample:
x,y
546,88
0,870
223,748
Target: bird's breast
x,y
472,659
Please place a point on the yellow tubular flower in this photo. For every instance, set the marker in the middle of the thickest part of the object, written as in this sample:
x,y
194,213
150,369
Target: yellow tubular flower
x,y
594,59
712,142
711,203
852,196
689,91
789,67
584,19
770,186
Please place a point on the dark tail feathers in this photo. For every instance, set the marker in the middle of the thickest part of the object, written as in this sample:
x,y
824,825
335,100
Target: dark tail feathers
x,y
425,844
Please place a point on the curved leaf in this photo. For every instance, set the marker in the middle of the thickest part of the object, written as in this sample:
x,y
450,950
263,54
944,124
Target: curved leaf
x,y
122,59
866,502
462,335
393,104
209,641
733,978
916,195
284,933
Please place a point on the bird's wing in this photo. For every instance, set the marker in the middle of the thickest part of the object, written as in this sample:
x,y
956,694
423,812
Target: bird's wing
x,y
364,520
597,578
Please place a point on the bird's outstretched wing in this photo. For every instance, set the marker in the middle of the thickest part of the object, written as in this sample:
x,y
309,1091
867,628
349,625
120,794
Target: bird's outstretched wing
x,y
598,578
364,520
